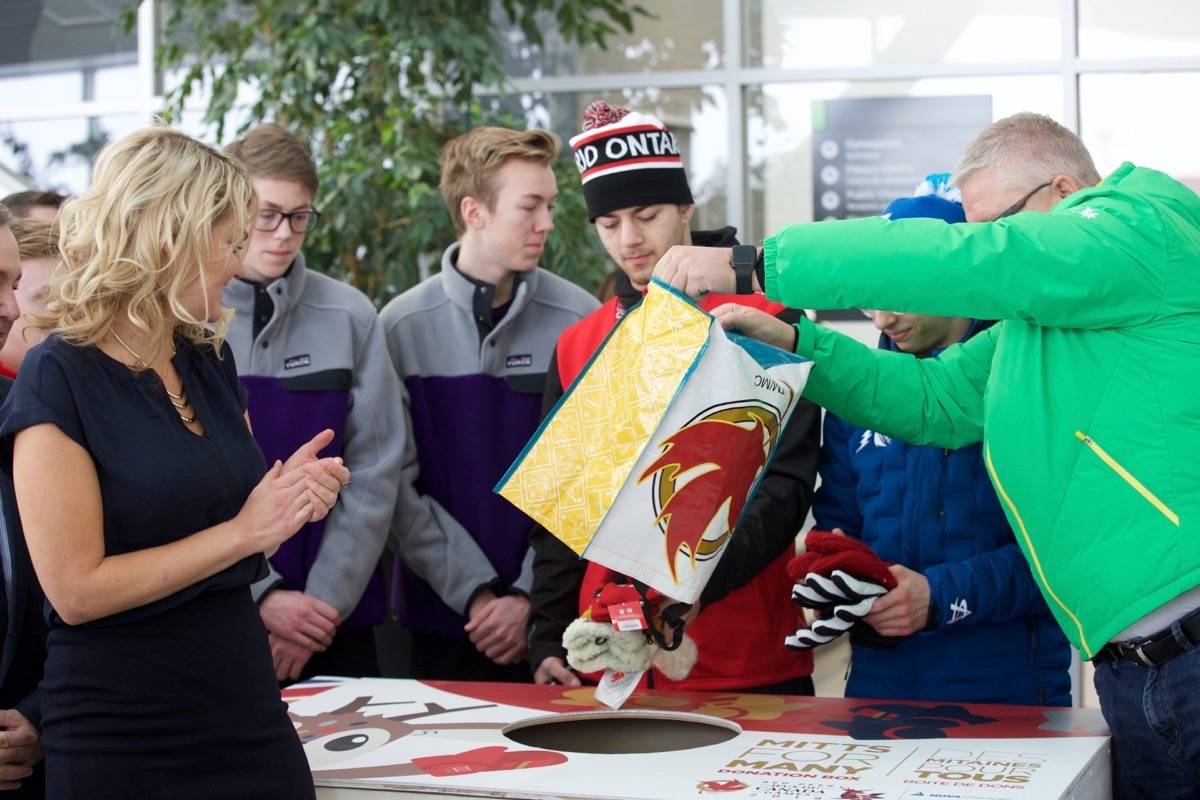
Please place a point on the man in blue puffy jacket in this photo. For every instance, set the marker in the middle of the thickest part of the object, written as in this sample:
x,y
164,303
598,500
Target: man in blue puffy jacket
x,y
966,622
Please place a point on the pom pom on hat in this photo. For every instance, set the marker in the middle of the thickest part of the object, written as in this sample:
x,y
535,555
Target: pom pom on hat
x,y
938,184
934,198
599,113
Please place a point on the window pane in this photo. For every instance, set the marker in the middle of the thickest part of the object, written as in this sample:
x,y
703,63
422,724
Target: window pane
x,y
697,117
681,35
51,30
47,152
115,84
111,127
1164,28
815,34
40,90
780,137
1124,118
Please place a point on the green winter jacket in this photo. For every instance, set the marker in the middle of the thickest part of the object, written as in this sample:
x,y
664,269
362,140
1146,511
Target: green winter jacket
x,y
1086,394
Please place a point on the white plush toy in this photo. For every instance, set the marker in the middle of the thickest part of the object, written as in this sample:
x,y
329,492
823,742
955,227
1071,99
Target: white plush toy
x,y
593,644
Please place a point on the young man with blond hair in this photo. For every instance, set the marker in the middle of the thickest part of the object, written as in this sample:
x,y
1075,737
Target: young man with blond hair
x,y
472,345
311,355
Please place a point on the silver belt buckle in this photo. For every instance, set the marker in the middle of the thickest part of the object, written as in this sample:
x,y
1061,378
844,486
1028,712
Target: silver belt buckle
x,y
1124,649
1141,655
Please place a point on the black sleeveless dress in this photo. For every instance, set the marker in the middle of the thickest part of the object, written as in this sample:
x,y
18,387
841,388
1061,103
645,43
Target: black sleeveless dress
x,y
177,698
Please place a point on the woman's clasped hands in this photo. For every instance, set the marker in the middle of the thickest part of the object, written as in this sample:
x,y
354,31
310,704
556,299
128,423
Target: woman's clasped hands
x,y
291,494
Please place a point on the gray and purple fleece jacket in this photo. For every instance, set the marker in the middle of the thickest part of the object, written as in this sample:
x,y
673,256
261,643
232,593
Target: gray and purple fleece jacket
x,y
319,361
473,394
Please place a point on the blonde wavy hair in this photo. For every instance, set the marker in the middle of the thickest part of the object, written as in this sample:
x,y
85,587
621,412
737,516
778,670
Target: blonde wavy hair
x,y
142,233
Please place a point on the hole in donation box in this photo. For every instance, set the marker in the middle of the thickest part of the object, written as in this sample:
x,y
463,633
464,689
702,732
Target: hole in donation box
x,y
622,731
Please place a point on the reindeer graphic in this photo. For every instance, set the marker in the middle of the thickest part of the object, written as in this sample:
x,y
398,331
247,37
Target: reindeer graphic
x,y
334,737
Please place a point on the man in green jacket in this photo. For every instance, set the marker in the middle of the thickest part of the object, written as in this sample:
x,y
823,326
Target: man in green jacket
x,y
1086,394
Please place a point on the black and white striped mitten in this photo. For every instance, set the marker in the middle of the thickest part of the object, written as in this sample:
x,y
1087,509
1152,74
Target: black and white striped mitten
x,y
843,601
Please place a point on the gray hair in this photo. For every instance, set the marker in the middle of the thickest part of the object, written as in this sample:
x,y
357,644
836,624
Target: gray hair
x,y
1027,149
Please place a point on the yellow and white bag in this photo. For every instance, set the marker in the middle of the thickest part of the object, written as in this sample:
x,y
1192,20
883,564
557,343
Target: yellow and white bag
x,y
647,461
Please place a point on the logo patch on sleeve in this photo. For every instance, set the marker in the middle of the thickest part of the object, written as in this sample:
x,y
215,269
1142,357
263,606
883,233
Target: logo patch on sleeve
x,y
525,360
295,362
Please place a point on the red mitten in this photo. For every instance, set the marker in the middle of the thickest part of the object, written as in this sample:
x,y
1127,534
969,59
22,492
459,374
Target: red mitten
x,y
486,759
840,576
826,552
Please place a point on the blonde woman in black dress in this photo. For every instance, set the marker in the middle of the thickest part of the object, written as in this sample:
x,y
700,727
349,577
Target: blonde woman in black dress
x,y
145,500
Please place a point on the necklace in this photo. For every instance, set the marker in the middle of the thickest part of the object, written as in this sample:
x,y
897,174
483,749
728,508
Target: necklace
x,y
179,401
141,362
182,404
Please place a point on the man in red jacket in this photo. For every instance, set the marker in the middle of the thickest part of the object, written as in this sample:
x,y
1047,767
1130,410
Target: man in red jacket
x,y
637,195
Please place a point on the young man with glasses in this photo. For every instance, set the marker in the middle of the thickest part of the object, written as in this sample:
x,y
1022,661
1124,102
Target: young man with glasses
x,y
1084,395
311,355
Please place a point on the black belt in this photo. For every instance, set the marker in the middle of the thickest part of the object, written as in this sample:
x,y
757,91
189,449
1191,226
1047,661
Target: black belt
x,y
1157,649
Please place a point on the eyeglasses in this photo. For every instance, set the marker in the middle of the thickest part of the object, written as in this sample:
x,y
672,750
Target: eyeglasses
x,y
1020,204
299,221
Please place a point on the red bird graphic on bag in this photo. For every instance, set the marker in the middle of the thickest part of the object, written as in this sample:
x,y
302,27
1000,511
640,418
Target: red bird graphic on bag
x,y
728,457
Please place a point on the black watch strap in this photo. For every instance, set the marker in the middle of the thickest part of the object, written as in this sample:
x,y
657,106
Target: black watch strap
x,y
743,259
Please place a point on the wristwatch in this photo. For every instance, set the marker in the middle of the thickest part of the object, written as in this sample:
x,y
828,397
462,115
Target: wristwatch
x,y
743,259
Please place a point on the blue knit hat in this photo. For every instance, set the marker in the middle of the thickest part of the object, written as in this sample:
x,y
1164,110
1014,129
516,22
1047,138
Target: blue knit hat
x,y
935,198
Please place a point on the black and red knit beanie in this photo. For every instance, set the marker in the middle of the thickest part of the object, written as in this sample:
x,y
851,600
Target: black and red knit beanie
x,y
627,159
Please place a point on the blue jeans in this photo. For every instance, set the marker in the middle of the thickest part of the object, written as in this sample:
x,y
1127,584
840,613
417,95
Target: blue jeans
x,y
1154,717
